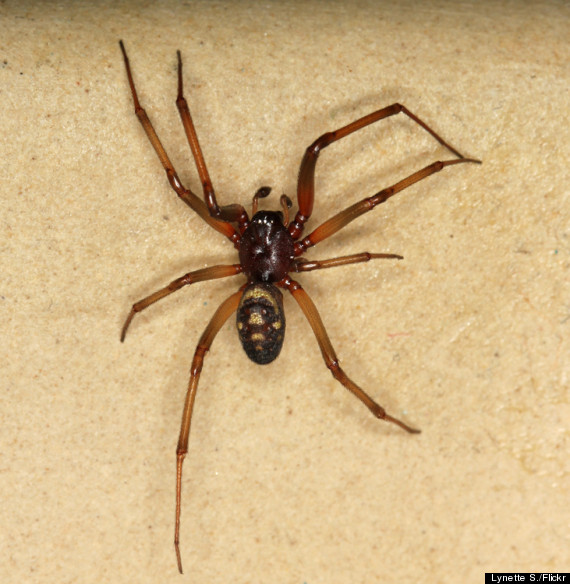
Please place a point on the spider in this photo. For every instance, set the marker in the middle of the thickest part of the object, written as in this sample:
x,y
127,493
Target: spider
x,y
270,248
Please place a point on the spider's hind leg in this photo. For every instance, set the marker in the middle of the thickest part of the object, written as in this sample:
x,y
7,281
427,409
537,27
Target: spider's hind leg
x,y
331,360
224,311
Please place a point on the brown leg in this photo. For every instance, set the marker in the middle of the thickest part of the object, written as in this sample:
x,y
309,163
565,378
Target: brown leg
x,y
331,360
306,180
303,265
187,196
343,218
227,308
202,275
229,212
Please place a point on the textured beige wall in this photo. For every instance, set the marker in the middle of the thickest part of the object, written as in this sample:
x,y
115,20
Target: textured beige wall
x,y
289,478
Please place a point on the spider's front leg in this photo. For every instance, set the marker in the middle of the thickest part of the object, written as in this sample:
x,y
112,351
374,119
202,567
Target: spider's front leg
x,y
342,219
331,360
306,180
204,211
225,310
232,213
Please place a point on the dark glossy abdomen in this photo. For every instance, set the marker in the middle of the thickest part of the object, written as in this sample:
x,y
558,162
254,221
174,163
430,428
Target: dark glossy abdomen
x,y
261,322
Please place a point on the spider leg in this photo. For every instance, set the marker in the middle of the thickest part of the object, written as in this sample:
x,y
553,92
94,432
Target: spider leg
x,y
229,212
303,265
211,273
186,195
330,358
306,180
224,311
343,218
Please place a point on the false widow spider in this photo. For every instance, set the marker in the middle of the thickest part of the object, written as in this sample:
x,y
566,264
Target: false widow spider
x,y
270,248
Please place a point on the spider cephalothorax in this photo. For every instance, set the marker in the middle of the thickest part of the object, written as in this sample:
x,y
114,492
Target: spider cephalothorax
x,y
270,248
266,248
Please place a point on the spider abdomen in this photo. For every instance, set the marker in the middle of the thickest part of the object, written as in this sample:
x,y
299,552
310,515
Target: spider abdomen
x,y
261,322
